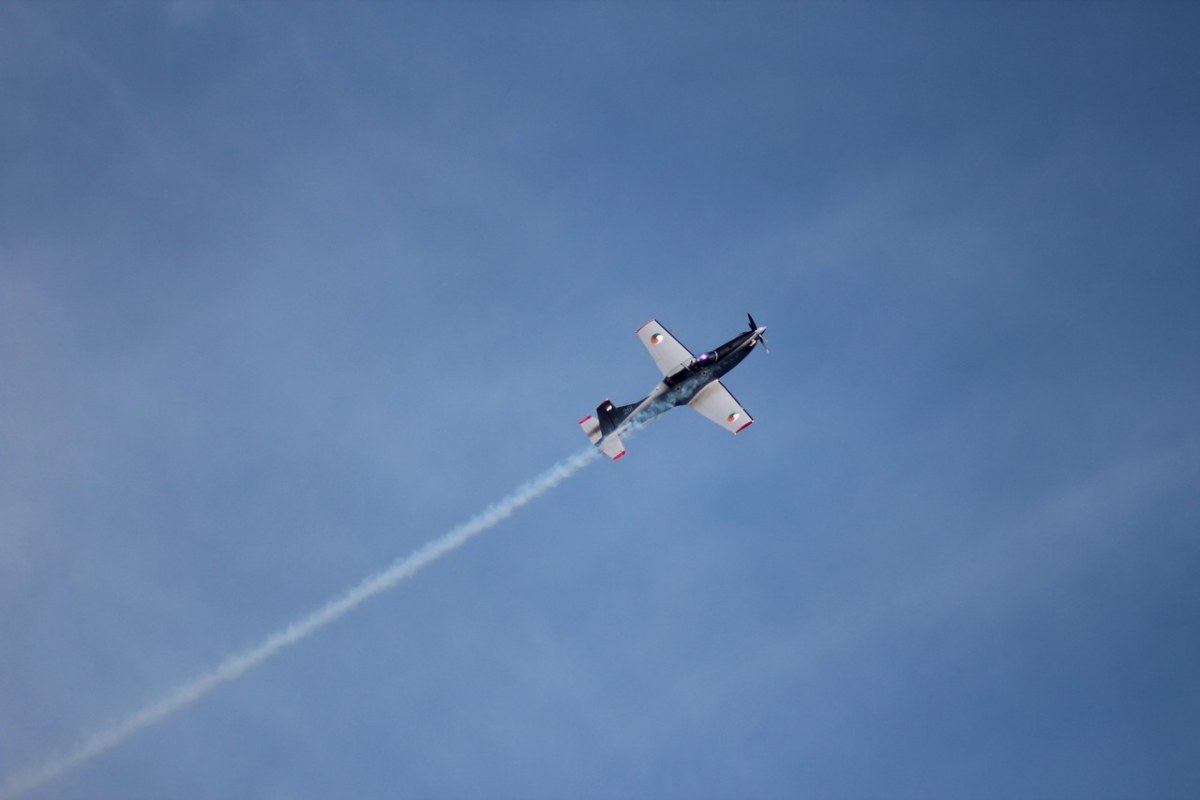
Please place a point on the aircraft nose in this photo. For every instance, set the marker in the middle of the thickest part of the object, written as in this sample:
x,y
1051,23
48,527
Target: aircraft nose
x,y
760,335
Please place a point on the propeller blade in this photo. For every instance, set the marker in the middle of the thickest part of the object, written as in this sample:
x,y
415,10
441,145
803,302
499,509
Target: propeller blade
x,y
754,327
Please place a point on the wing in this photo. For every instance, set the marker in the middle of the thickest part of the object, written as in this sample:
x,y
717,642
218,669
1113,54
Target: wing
x,y
668,354
715,402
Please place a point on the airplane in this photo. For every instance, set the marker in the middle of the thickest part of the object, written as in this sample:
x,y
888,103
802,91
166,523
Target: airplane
x,y
687,380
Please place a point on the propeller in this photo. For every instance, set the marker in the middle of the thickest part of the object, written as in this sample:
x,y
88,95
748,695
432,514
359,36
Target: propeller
x,y
754,327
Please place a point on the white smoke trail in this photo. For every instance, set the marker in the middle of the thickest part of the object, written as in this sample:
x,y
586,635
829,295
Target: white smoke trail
x,y
237,665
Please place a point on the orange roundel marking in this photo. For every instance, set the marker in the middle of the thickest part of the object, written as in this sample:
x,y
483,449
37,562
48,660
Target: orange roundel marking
x,y
733,417
656,338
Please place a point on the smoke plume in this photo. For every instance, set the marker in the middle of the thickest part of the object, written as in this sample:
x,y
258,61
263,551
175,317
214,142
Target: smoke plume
x,y
239,664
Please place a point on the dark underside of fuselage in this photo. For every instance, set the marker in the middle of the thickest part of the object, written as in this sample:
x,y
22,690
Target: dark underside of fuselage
x,y
710,366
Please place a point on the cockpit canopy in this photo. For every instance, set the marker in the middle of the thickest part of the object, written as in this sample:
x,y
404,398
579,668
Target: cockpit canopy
x,y
692,367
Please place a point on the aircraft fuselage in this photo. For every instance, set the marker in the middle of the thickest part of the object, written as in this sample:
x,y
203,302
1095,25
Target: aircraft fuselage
x,y
681,387
687,380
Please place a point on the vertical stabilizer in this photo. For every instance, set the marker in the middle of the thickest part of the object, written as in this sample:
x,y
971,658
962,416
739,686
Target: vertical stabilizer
x,y
601,428
611,417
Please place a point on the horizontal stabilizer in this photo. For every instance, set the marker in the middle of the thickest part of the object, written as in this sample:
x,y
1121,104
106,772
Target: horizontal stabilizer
x,y
601,427
591,427
612,447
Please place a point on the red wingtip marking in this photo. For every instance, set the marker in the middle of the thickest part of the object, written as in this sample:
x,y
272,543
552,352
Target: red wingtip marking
x,y
618,455
747,425
585,419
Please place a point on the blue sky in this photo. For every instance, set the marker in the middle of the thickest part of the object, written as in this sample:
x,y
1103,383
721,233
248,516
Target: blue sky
x,y
287,290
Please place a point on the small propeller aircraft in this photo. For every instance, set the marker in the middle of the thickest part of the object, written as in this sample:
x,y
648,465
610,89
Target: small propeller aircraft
x,y
687,379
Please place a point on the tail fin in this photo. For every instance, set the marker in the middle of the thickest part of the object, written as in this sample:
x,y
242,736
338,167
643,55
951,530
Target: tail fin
x,y
611,416
599,428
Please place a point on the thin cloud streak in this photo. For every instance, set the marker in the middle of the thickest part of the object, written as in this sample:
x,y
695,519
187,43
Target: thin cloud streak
x,y
239,664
